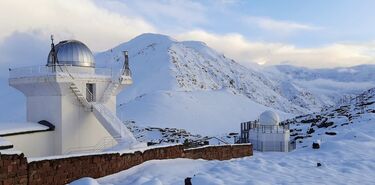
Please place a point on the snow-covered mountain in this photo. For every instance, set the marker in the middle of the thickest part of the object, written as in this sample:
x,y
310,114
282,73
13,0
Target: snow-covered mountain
x,y
361,73
189,85
164,64
330,86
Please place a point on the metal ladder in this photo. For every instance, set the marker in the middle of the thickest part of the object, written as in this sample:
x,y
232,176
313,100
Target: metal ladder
x,y
114,84
112,87
124,75
112,123
81,98
98,147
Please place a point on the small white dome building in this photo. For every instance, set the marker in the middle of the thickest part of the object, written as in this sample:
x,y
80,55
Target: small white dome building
x,y
269,118
266,134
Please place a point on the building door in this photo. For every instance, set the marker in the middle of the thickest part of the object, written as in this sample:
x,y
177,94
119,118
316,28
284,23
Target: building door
x,y
90,92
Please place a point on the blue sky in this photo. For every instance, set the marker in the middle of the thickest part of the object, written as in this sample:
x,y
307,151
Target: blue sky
x,y
338,20
316,34
334,20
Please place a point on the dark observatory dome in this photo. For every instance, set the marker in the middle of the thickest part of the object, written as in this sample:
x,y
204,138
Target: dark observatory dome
x,y
72,52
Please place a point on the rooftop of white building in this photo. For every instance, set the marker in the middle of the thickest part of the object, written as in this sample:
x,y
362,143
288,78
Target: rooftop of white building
x,y
9,128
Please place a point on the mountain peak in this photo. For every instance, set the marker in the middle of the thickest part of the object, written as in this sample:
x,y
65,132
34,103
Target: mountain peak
x,y
154,38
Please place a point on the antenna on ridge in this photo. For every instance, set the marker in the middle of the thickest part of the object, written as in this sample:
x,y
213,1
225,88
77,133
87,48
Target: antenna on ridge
x,y
53,55
125,67
126,64
52,39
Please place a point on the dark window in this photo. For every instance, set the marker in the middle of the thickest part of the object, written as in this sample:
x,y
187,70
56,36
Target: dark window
x,y
90,92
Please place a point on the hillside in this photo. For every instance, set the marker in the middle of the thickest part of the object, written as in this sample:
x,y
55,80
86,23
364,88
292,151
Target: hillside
x,y
161,63
188,85
343,121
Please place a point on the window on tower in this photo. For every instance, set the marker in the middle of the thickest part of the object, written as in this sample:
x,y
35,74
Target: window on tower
x,y
90,92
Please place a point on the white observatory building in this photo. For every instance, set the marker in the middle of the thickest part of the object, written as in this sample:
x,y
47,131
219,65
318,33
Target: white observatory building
x,y
71,105
266,134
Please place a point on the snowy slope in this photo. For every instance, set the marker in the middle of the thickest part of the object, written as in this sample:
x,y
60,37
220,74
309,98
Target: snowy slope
x,y
343,162
341,121
160,136
200,112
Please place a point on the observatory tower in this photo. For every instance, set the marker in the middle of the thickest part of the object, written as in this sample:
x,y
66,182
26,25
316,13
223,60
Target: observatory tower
x,y
75,97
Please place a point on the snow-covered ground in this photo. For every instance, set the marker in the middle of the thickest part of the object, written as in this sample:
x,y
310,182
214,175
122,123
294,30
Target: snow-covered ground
x,y
347,158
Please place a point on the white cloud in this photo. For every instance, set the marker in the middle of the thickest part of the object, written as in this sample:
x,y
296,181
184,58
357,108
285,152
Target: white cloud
x,y
247,52
102,26
182,13
23,49
284,27
83,19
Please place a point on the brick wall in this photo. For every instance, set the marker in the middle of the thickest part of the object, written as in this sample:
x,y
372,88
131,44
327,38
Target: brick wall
x,y
14,169
223,152
65,170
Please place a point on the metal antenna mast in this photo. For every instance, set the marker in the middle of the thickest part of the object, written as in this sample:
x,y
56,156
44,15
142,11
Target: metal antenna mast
x,y
126,69
53,55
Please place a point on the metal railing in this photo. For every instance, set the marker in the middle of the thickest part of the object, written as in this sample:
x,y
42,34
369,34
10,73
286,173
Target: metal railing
x,y
252,125
30,71
58,70
104,143
255,126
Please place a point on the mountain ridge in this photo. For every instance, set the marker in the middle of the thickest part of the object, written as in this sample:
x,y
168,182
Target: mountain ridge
x,y
194,66
174,78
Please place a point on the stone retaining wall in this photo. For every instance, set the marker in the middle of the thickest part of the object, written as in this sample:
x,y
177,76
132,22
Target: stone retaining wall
x,y
14,169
